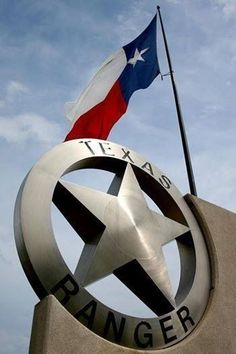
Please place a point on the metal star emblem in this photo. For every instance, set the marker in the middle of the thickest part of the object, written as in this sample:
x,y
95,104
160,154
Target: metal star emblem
x,y
122,236
137,56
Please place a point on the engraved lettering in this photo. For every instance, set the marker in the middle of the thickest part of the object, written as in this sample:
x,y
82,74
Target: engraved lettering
x,y
127,155
87,313
165,181
117,331
88,146
166,329
68,286
147,336
184,316
148,167
106,149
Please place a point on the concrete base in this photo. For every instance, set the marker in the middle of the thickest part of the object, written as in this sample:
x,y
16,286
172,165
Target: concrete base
x,y
55,331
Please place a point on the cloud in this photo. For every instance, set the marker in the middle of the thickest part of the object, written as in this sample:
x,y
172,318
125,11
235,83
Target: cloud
x,y
133,21
15,88
175,2
228,7
28,126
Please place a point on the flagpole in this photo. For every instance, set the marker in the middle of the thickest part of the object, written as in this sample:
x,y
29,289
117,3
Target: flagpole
x,y
179,115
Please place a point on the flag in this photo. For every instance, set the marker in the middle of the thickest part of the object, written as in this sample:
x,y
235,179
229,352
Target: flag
x,y
106,99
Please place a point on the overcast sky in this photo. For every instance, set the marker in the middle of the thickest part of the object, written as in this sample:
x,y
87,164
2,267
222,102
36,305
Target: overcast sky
x,y
50,49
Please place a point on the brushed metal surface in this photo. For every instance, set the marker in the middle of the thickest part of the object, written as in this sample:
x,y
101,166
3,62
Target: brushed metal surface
x,y
122,235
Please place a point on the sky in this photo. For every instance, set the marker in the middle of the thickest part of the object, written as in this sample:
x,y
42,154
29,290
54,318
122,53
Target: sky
x,y
50,49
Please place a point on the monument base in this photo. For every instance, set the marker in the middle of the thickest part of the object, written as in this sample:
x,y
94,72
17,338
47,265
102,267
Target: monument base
x,y
56,331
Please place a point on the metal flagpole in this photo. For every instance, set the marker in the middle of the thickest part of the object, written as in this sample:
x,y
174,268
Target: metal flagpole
x,y
179,115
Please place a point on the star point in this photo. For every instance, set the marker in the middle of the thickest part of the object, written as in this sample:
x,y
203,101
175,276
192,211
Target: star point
x,y
132,232
137,56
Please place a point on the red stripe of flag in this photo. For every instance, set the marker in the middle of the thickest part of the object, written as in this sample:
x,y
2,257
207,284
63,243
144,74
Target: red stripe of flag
x,y
99,120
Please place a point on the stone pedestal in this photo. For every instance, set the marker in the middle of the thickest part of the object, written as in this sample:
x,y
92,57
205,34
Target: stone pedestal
x,y
55,331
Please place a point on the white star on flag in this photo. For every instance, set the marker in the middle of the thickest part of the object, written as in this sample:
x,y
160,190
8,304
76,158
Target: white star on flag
x,y
137,56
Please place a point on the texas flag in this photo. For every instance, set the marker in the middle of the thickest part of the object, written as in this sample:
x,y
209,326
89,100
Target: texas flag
x,y
105,100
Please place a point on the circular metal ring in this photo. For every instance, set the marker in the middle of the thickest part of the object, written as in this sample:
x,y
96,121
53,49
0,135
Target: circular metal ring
x,y
105,223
